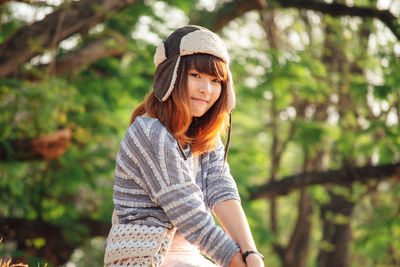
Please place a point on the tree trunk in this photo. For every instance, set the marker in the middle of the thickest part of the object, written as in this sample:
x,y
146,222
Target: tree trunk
x,y
295,254
335,216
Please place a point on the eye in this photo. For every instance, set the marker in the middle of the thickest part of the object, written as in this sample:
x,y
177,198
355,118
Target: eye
x,y
194,74
216,81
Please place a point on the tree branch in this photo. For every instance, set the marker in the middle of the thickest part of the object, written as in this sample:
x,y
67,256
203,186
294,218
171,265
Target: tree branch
x,y
31,40
91,53
95,50
336,9
217,19
36,3
343,176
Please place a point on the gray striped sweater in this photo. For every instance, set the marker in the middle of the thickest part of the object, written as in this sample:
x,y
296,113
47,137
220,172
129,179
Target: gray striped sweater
x,y
154,185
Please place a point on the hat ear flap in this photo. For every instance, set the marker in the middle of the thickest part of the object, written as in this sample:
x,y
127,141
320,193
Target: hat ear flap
x,y
160,55
165,78
173,80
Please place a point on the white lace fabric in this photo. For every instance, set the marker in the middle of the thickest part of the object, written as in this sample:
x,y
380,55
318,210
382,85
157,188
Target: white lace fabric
x,y
137,245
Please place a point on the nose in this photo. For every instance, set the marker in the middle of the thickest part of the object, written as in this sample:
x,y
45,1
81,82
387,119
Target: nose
x,y
205,87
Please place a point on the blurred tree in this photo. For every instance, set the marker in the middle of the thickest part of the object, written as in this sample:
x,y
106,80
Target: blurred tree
x,y
317,122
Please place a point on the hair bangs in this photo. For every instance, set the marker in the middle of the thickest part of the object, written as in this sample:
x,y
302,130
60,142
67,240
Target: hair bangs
x,y
210,65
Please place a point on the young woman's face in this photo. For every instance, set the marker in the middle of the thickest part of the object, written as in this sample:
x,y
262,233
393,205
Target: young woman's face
x,y
204,90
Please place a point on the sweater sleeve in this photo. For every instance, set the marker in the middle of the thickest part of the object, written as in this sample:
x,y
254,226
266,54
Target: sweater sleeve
x,y
169,182
219,188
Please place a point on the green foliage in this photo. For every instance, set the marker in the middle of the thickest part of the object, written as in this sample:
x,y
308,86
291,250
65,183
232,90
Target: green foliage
x,y
309,134
315,108
31,109
49,190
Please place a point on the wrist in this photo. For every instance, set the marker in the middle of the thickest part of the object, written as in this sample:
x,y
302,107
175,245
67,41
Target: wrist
x,y
252,252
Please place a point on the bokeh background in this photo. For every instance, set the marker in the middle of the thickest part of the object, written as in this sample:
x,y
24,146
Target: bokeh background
x,y
316,139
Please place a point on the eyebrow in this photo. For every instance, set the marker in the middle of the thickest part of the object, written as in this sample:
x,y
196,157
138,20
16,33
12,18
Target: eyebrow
x,y
196,70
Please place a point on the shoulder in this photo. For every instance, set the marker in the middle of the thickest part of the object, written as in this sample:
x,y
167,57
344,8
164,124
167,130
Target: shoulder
x,y
144,124
150,129
219,148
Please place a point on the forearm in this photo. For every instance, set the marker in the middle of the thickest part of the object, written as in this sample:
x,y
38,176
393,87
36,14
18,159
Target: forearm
x,y
232,218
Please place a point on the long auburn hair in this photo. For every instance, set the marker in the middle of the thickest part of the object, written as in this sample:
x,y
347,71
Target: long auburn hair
x,y
199,132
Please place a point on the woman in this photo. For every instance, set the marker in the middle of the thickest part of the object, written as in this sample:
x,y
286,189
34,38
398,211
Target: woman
x,y
170,169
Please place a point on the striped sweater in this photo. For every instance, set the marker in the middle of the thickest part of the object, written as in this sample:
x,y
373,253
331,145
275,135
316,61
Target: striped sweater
x,y
154,185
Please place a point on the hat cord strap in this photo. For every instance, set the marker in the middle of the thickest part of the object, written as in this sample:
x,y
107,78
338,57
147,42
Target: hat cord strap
x,y
228,141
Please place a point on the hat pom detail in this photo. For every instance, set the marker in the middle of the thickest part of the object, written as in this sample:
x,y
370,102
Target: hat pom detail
x,y
159,56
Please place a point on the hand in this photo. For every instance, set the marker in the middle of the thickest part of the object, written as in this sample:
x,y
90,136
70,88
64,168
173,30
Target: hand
x,y
237,260
253,260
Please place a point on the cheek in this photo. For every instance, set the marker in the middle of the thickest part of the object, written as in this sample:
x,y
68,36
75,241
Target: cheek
x,y
189,86
216,93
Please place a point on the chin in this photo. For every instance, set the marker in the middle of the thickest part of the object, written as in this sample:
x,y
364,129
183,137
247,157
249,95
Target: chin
x,y
197,116
198,113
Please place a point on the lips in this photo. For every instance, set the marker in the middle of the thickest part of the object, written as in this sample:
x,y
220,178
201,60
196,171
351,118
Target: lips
x,y
199,100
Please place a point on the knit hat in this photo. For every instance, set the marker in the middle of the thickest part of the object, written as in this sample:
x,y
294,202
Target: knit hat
x,y
184,41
